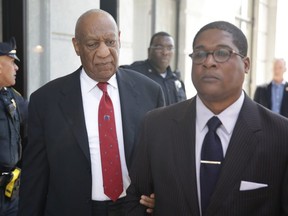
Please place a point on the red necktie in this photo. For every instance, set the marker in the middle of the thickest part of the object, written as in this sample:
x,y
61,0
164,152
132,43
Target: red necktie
x,y
110,157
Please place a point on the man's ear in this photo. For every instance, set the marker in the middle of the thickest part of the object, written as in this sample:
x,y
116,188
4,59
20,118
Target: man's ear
x,y
76,45
247,64
119,41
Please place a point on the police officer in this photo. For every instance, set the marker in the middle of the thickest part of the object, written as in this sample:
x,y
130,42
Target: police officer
x,y
13,112
157,67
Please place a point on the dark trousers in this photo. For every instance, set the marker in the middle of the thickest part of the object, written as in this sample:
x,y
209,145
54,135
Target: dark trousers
x,y
108,208
8,207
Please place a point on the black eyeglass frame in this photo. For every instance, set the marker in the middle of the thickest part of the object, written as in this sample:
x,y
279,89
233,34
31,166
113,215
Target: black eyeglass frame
x,y
231,51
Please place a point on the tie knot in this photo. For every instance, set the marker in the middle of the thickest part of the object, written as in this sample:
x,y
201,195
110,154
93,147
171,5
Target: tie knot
x,y
102,86
213,123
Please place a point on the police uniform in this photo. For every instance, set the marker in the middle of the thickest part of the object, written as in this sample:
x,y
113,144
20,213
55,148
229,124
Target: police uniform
x,y
13,112
173,88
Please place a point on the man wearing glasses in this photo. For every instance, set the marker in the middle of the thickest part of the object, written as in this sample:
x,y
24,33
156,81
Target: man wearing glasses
x,y
218,153
157,67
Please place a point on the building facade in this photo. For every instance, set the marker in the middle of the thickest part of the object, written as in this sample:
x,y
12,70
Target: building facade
x,y
48,27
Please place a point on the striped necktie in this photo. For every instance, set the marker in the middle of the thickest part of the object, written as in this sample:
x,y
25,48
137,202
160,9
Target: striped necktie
x,y
211,159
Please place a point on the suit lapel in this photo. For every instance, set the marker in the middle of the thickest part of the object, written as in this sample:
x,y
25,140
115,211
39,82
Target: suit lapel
x,y
284,100
72,107
268,95
129,97
240,150
184,149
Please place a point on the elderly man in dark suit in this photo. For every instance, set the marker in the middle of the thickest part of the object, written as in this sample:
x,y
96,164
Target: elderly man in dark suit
x,y
236,164
274,95
68,158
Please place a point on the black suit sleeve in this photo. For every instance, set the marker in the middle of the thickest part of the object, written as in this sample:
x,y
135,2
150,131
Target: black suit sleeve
x,y
141,181
257,95
35,172
284,195
263,96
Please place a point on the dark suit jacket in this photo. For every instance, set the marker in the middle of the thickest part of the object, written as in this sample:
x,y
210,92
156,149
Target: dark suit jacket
x,y
56,178
263,96
165,164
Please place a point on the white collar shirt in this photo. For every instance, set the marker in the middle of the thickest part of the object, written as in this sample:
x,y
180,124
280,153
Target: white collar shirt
x,y
91,96
228,117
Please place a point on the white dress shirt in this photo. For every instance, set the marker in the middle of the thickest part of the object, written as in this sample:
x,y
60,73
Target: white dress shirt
x,y
91,96
228,117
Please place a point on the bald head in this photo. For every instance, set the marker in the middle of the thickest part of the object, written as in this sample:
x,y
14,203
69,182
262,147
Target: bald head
x,y
93,16
279,68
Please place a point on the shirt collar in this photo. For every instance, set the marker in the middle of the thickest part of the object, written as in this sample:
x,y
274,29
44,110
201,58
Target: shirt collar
x,y
282,83
228,117
90,84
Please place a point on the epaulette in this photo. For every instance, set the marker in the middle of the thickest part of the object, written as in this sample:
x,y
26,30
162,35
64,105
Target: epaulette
x,y
16,92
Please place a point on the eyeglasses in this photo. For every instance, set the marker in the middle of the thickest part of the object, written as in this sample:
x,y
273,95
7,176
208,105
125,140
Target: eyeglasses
x,y
159,48
220,55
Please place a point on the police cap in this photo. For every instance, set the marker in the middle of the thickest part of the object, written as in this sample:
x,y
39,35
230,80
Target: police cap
x,y
9,48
